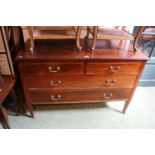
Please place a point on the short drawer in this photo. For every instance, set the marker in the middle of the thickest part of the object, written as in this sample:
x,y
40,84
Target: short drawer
x,y
80,82
100,68
60,97
53,68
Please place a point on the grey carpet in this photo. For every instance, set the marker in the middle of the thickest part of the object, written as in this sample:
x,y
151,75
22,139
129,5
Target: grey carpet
x,y
140,114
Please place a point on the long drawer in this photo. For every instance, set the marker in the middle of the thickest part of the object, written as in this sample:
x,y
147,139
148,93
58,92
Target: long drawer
x,y
79,82
53,68
100,68
58,97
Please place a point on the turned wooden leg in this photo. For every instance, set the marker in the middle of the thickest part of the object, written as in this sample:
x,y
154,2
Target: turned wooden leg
x,y
79,28
30,30
5,117
95,31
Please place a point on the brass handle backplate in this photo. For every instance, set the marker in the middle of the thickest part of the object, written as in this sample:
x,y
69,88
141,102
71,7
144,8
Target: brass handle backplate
x,y
107,96
55,83
54,69
110,82
55,98
114,69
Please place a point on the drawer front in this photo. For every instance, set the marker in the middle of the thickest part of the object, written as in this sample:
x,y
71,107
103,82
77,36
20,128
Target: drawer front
x,y
79,82
2,48
100,68
58,97
53,68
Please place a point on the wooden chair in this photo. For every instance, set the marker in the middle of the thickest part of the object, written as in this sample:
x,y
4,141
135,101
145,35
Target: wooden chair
x,y
54,32
98,33
7,83
147,34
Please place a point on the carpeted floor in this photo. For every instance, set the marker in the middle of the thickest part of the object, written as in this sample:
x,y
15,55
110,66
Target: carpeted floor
x,y
140,114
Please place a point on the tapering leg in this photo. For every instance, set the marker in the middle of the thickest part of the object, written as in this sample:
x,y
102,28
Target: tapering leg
x,y
30,108
5,117
3,122
126,106
32,115
95,31
15,102
79,28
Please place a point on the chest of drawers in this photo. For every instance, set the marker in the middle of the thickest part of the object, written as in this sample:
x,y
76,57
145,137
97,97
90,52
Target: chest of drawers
x,y
56,76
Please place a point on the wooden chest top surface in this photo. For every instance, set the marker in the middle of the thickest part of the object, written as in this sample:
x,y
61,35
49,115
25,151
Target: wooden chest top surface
x,y
64,50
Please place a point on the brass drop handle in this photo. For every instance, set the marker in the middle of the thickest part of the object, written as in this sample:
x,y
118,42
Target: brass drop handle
x,y
114,69
55,83
54,69
110,83
107,96
55,98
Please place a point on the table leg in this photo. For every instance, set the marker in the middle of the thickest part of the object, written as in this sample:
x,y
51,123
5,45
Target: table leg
x,y
30,31
5,116
95,31
78,37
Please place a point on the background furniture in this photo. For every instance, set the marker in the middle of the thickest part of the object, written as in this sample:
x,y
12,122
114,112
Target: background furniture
x,y
11,40
101,33
6,64
147,46
55,74
54,32
7,83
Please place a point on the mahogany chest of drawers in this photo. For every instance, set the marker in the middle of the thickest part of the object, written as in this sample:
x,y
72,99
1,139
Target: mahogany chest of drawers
x,y
63,76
